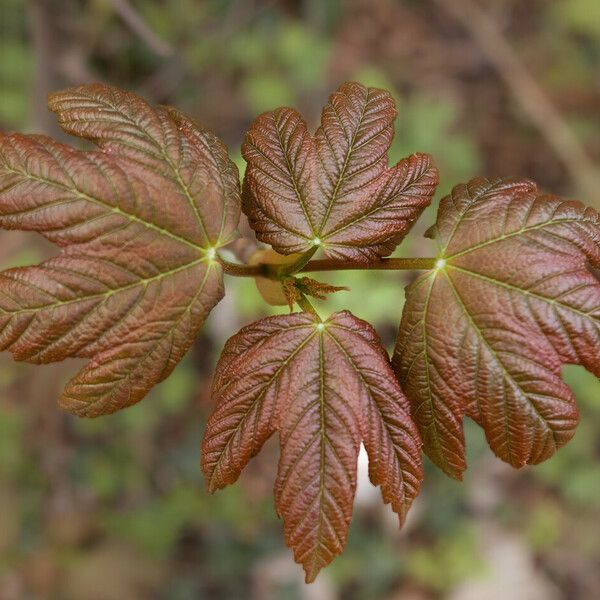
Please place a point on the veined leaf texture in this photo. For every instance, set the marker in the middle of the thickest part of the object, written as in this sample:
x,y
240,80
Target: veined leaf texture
x,y
485,334
334,189
139,222
324,387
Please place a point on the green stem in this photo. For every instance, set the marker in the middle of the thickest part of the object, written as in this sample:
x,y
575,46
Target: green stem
x,y
304,303
240,270
383,264
298,265
305,265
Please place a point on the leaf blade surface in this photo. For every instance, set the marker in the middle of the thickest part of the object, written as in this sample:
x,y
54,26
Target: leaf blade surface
x,y
334,189
485,335
325,387
135,277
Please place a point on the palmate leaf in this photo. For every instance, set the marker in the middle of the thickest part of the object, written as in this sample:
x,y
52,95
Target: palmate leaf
x,y
137,224
325,387
335,189
486,333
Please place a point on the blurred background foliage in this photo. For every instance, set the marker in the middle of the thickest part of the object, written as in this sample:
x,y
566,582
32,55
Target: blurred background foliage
x,y
115,508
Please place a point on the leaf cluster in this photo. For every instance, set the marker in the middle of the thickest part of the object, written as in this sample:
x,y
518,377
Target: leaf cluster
x,y
511,296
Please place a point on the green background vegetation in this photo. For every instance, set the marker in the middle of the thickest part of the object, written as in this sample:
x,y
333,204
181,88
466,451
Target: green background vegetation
x,y
115,508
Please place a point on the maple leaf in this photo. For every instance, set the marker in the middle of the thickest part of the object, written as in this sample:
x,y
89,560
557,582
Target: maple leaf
x,y
334,190
137,224
485,334
325,387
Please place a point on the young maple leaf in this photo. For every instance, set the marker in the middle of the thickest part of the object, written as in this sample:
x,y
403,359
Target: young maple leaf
x,y
486,333
137,225
335,189
294,288
325,387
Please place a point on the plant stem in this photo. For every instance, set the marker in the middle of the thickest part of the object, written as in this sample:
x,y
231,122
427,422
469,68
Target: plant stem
x,y
308,266
304,303
298,265
383,264
241,270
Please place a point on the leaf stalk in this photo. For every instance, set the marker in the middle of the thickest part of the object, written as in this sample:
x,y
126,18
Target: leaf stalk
x,y
305,265
299,264
383,264
304,303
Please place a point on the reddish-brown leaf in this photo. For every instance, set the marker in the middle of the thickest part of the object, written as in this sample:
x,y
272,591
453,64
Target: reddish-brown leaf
x,y
334,189
192,163
137,225
325,387
485,334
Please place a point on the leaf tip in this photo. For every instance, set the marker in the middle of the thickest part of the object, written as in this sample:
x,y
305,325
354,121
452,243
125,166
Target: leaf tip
x,y
310,574
211,483
211,488
457,475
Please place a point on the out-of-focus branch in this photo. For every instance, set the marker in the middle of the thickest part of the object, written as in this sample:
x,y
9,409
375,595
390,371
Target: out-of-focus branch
x,y
140,28
42,23
528,93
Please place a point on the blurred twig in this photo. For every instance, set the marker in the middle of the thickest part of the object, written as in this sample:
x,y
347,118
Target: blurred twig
x,y
42,15
532,98
139,27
